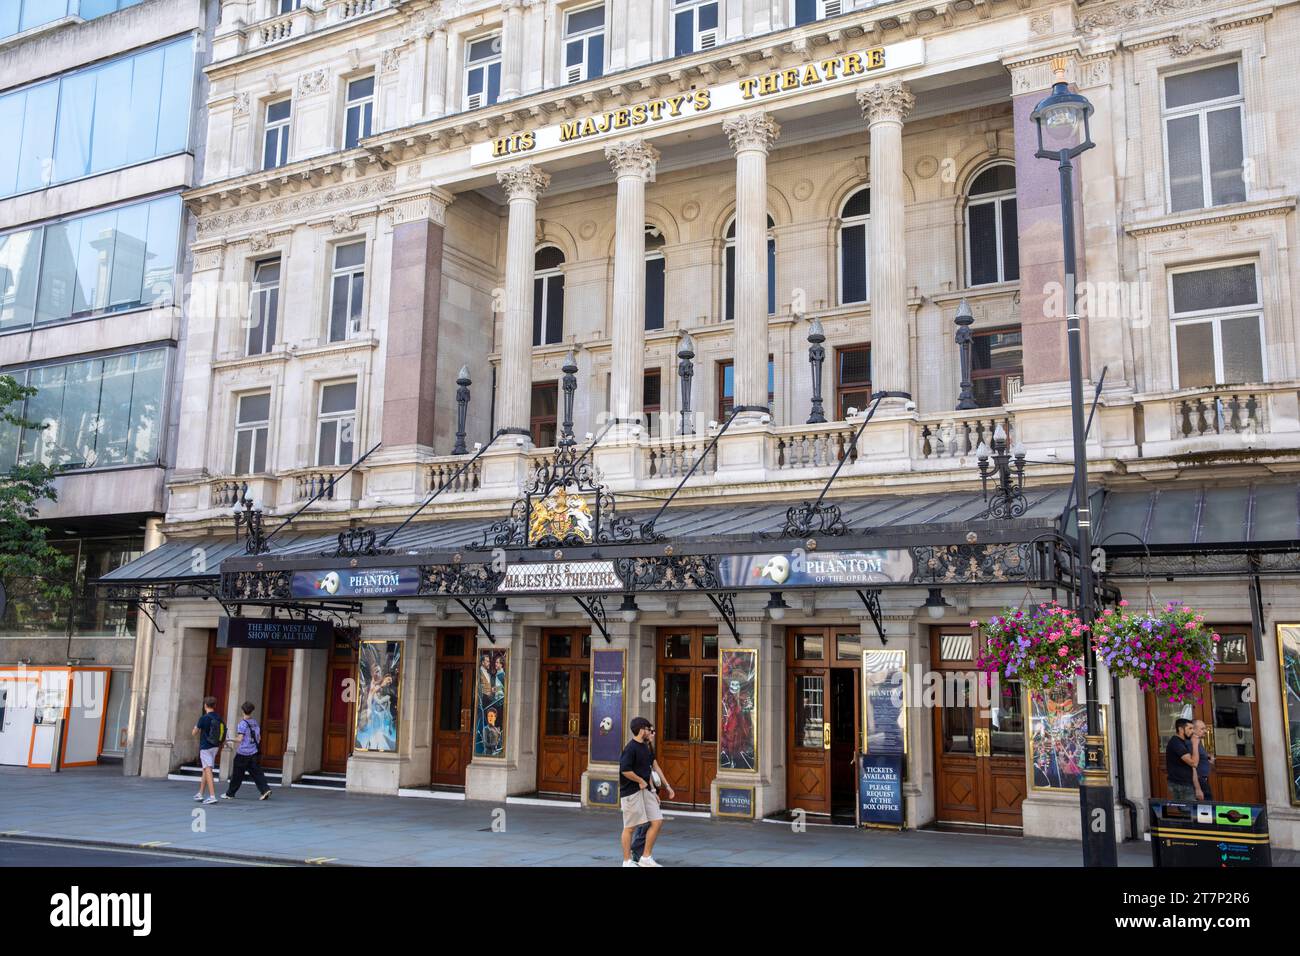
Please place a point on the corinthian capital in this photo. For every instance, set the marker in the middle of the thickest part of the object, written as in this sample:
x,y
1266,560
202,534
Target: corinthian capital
x,y
523,182
754,130
633,157
882,102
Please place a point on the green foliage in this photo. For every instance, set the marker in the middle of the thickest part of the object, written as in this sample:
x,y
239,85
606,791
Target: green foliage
x,y
30,568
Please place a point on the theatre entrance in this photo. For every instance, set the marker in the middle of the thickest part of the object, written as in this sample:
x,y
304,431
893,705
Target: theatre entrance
x,y
453,702
216,678
979,742
340,708
277,683
1231,718
565,710
687,712
823,719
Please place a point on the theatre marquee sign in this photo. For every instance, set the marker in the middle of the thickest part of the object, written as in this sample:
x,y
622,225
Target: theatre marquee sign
x,y
664,111
560,577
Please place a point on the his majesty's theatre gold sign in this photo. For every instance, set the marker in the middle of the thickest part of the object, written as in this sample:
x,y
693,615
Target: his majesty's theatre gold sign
x,y
750,90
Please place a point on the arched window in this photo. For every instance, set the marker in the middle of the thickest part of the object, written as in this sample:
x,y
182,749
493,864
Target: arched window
x,y
548,296
654,277
729,271
855,224
992,249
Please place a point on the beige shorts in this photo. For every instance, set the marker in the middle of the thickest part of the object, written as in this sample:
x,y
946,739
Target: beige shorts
x,y
641,807
208,757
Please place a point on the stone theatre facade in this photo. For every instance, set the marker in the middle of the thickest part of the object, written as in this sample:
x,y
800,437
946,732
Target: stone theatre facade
x,y
405,199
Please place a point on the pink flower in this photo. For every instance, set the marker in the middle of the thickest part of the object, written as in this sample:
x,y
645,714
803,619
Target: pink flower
x,y
1062,652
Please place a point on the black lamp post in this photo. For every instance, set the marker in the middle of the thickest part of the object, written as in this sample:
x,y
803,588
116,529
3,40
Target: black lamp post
x,y
1007,468
569,384
816,356
1063,133
685,372
462,407
965,338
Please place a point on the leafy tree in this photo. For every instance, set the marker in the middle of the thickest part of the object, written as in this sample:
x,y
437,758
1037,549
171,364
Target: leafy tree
x,y
34,573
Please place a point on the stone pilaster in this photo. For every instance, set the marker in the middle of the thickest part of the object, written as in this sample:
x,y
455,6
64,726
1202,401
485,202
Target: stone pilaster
x,y
884,107
633,162
751,135
523,184
512,48
437,95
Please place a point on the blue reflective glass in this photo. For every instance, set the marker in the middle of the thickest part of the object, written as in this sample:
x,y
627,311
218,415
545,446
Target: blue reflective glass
x,y
20,257
596,56
494,82
146,85
805,11
709,16
588,19
37,12
684,32
573,53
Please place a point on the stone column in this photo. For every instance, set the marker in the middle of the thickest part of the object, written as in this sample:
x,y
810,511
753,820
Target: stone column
x,y
415,291
523,184
142,668
437,96
751,135
884,107
512,49
633,163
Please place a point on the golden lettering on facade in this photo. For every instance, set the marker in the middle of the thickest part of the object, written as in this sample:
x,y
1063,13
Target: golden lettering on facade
x,y
837,67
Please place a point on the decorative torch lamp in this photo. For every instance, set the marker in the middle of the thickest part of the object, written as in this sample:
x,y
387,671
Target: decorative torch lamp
x,y
462,409
685,372
569,384
964,320
816,357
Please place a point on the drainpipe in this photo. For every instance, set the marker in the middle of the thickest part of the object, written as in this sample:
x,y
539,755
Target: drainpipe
x,y
142,669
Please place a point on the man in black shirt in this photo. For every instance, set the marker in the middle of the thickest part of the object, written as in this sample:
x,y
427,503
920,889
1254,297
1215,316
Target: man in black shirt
x,y
637,795
1180,762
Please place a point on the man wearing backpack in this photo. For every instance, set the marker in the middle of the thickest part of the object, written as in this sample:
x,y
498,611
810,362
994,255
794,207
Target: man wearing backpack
x,y
211,733
248,756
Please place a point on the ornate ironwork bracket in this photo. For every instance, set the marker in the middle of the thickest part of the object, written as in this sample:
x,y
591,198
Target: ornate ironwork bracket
x,y
477,608
595,608
356,543
871,600
726,605
249,521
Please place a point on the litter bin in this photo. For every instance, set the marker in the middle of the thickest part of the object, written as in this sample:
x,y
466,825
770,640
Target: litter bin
x,y
1209,834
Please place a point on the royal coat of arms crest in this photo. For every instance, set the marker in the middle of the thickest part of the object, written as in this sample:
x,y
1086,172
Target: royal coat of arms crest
x,y
560,516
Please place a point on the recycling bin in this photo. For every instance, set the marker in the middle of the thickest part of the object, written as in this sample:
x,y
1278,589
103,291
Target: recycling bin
x,y
1219,835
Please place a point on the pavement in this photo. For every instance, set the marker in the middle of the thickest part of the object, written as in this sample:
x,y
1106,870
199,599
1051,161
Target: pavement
x,y
98,807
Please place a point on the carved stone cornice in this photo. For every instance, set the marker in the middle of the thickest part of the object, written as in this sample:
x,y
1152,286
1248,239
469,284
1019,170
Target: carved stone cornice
x,y
1135,13
292,208
887,102
430,204
633,157
1240,212
749,131
524,182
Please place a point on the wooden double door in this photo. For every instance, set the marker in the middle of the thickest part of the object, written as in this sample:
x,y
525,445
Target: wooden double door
x,y
338,730
687,712
1231,718
979,742
562,750
823,719
453,707
277,688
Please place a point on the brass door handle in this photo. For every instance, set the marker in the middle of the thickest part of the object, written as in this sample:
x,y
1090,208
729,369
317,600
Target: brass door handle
x,y
982,746
464,720
826,735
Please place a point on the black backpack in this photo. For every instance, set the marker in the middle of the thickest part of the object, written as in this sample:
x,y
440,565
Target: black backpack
x,y
216,732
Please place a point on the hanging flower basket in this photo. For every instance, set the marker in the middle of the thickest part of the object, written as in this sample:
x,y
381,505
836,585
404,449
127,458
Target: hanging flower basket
x,y
1042,647
1170,652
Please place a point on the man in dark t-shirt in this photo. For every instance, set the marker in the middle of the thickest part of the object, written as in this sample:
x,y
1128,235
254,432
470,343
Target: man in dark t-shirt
x,y
1180,762
637,796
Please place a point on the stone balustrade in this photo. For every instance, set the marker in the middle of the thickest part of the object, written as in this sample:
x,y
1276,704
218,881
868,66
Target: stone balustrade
x,y
672,456
443,470
1218,419
959,434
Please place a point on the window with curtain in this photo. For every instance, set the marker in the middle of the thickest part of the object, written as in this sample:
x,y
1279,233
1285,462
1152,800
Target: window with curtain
x,y
95,413
992,243
854,236
114,114
1203,137
1218,326
548,296
729,271
111,261
654,278
336,424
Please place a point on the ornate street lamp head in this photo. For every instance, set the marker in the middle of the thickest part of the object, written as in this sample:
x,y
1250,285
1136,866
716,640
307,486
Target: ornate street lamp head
x,y
1063,119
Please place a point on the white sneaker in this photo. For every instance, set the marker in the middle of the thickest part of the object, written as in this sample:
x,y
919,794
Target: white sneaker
x,y
648,861
199,795
631,863
214,800
226,796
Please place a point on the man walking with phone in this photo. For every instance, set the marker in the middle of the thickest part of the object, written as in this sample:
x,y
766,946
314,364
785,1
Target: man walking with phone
x,y
637,797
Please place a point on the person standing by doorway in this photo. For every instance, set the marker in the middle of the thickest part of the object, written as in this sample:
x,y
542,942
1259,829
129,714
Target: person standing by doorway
x,y
248,756
211,734
638,838
637,797
1180,762
1204,762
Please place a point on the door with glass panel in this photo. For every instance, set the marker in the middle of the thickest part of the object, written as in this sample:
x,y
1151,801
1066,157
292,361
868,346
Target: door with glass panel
x,y
453,722
687,706
823,718
1231,718
979,738
565,710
